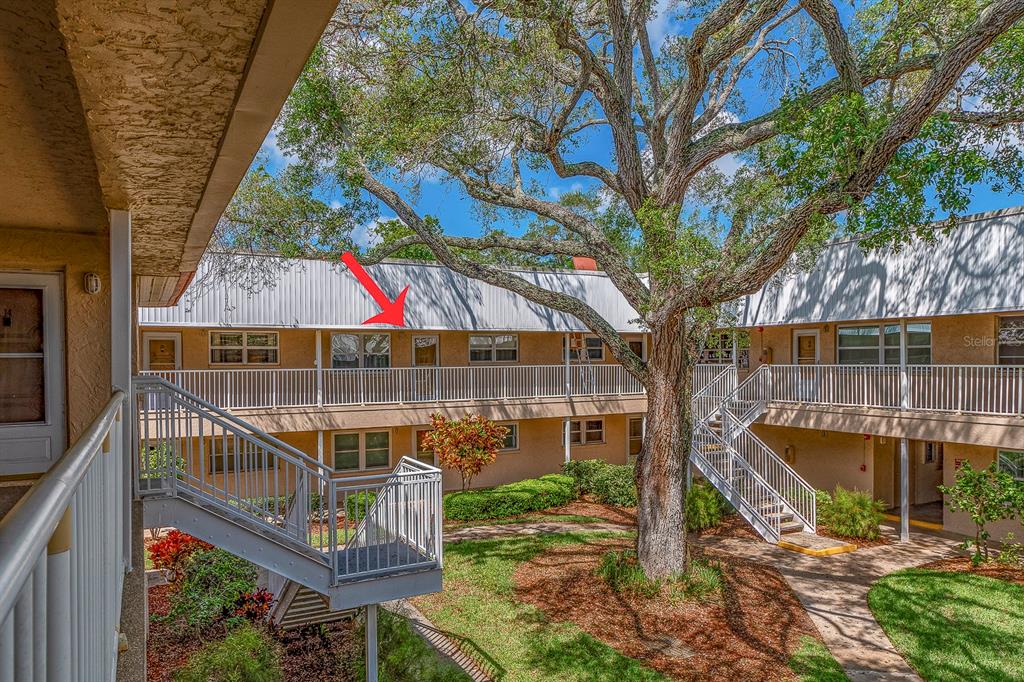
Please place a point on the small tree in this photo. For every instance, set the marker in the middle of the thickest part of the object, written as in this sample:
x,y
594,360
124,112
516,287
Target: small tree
x,y
987,495
466,445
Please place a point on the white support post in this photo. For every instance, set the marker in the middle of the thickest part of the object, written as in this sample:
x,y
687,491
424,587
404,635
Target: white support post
x,y
904,379
904,491
121,330
319,365
565,439
371,643
568,380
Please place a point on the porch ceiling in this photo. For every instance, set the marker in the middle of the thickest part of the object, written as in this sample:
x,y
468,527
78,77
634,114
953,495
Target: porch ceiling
x,y
156,106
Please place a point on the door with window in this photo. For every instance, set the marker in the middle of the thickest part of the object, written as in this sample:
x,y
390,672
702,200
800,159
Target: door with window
x,y
425,359
32,421
161,352
806,354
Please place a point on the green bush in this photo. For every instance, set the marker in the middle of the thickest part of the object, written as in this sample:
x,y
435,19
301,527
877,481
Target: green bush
x,y
404,656
850,513
245,655
533,494
705,507
609,483
358,504
210,589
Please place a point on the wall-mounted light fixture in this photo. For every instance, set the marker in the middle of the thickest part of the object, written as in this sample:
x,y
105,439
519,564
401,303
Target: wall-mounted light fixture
x,y
92,283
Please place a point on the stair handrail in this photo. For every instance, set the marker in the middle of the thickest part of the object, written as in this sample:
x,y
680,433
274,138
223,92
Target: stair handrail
x,y
705,396
287,450
413,467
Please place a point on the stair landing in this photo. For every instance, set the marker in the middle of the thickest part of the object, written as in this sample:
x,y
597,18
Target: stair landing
x,y
814,545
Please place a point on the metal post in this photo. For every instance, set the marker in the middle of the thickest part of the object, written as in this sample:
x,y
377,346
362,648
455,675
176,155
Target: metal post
x,y
371,643
121,332
904,380
568,382
904,491
565,439
319,365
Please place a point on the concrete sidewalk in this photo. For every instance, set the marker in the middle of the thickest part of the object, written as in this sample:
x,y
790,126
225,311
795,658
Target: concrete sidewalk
x,y
834,590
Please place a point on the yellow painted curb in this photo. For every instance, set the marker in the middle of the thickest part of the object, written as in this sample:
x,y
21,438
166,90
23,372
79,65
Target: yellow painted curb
x,y
839,549
920,524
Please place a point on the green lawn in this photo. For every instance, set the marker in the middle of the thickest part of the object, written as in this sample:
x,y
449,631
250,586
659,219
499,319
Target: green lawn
x,y
953,626
479,607
530,518
813,662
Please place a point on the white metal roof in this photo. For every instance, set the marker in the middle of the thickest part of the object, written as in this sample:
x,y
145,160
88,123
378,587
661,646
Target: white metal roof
x,y
978,268
323,294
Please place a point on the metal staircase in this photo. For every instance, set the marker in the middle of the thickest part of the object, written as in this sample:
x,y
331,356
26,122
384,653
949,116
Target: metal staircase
x,y
762,487
357,541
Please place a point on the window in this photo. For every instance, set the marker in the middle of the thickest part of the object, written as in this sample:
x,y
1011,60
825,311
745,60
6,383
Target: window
x,y
880,344
230,461
244,348
494,348
933,454
360,350
636,438
593,349
586,432
511,438
423,453
22,357
725,348
362,450
1012,462
1011,340
638,349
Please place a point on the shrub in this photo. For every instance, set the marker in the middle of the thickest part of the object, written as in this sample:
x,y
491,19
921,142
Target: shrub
x,y
609,483
209,590
850,513
174,549
705,507
358,504
253,606
533,494
466,445
1012,553
987,495
404,655
705,578
622,572
247,654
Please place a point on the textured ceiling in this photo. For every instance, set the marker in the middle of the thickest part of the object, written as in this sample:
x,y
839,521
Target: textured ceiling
x,y
47,173
157,81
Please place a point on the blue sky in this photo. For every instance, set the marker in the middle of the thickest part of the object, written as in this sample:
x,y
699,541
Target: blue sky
x,y
454,209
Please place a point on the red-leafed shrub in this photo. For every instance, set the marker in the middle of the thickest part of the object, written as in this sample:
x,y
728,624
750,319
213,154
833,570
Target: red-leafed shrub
x,y
174,549
253,606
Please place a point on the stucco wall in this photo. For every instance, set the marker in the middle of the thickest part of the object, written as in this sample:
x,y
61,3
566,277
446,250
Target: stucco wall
x,y
87,317
959,522
824,458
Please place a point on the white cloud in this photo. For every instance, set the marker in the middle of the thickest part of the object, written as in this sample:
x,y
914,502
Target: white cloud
x,y
556,192
663,22
364,235
273,150
728,164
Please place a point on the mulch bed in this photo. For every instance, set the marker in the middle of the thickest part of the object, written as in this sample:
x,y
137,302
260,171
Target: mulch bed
x,y
312,653
585,506
859,543
989,570
746,633
732,526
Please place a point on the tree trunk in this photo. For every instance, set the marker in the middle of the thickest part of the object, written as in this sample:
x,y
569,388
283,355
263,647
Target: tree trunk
x,y
661,470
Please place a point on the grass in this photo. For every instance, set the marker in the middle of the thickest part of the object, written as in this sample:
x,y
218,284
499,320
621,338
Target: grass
x,y
516,640
813,662
953,626
404,655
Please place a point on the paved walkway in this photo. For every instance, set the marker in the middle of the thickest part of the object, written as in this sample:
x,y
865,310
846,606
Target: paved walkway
x,y
834,590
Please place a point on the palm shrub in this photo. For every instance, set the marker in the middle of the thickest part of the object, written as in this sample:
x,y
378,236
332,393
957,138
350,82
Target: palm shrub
x,y
247,654
850,513
705,507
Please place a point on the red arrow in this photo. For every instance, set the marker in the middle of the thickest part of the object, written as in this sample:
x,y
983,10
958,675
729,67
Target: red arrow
x,y
391,312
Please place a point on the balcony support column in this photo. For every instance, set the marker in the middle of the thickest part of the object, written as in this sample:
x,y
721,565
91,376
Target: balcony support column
x,y
319,365
565,439
371,643
904,491
122,314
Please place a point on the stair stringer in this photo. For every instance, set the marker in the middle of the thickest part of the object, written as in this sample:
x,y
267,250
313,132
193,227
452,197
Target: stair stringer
x,y
739,503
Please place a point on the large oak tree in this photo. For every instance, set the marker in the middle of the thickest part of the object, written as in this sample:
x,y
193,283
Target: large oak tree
x,y
860,120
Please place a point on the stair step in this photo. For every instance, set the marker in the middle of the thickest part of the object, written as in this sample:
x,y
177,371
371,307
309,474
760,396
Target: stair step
x,y
791,527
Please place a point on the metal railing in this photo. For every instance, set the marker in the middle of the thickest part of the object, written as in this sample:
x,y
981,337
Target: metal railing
x,y
356,526
968,389
264,388
60,605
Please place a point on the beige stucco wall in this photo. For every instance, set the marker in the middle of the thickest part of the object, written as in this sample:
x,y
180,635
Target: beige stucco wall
x,y
959,522
87,317
824,458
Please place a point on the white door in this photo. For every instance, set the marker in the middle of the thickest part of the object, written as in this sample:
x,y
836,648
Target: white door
x,y
426,355
32,424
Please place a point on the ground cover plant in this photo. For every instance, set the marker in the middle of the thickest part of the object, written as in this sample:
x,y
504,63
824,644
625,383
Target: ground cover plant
x,y
214,586
850,513
512,499
404,656
953,625
534,608
246,654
